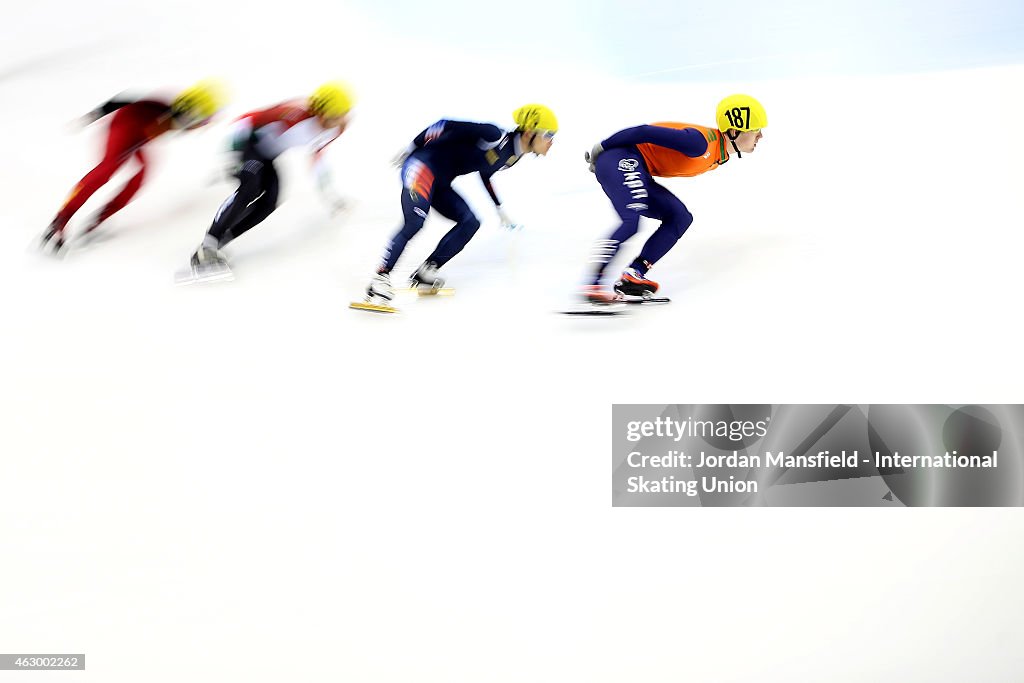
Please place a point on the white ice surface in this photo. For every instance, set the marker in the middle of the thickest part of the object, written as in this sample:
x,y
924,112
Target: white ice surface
x,y
248,481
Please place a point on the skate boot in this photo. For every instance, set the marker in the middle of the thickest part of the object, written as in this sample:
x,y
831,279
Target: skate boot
x,y
633,285
380,292
206,265
91,235
426,278
54,235
599,295
379,296
208,259
95,222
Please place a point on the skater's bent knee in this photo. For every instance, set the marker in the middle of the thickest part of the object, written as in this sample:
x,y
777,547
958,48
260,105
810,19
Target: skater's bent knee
x,y
681,221
409,230
629,227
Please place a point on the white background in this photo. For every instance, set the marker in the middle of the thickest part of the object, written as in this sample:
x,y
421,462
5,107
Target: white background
x,y
251,482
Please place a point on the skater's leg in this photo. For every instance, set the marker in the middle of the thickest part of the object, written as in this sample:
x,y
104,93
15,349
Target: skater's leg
x,y
417,190
450,205
86,188
251,178
127,192
260,208
676,218
625,180
122,141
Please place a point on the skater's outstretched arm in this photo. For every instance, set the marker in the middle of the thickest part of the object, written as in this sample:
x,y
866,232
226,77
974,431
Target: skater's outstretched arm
x,y
486,178
108,107
484,135
322,173
503,216
688,141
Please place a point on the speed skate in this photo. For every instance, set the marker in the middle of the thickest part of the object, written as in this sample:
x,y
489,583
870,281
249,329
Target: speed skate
x,y
592,308
646,300
87,239
194,275
422,290
374,308
618,306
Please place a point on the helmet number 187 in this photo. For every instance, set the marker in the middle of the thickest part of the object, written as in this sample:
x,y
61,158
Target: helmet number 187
x,y
737,119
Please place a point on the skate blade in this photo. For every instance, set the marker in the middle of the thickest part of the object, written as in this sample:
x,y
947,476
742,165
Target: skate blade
x,y
193,277
427,291
94,236
648,300
616,308
54,253
49,248
87,241
376,308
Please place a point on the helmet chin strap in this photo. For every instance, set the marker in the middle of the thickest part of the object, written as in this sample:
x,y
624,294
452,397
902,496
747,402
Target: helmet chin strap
x,y
732,140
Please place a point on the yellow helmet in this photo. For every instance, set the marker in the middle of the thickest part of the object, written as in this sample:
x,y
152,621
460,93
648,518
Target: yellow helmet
x,y
200,102
331,100
740,112
530,116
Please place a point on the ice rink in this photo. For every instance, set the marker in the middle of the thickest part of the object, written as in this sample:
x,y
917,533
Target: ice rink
x,y
250,482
